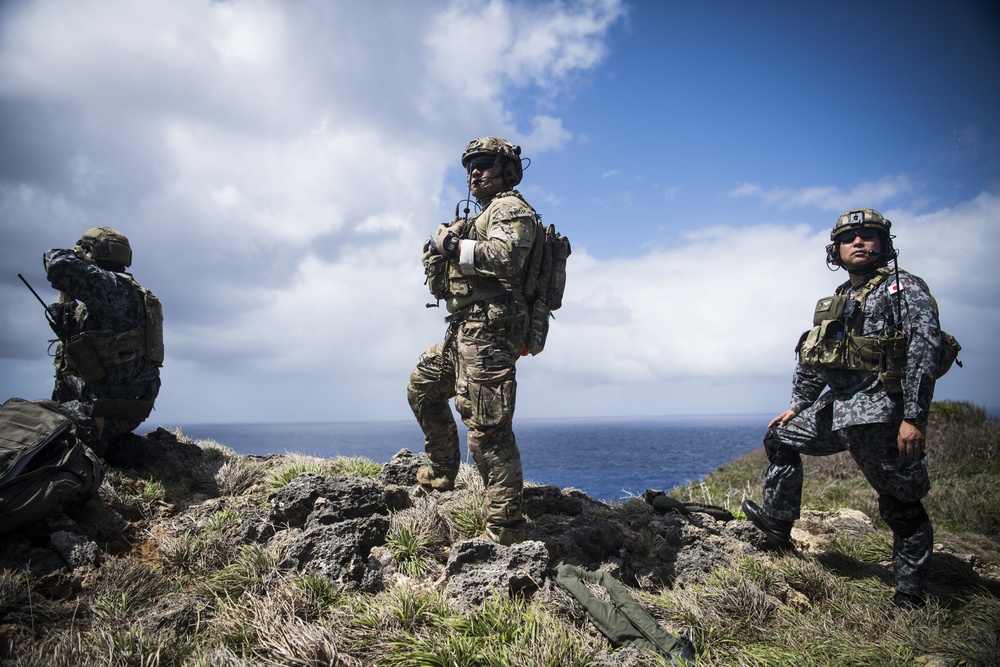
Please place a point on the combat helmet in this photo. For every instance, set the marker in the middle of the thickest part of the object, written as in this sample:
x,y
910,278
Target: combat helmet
x,y
510,157
861,218
106,246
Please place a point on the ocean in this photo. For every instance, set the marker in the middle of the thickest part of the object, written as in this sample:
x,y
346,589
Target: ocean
x,y
607,458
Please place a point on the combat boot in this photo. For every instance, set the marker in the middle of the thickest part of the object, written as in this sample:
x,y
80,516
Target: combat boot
x,y
504,535
908,601
438,482
777,531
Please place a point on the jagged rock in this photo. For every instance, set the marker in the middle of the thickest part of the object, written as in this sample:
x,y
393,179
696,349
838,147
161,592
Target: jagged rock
x,y
539,500
401,470
380,571
75,549
178,616
478,569
325,500
588,540
338,551
100,521
164,453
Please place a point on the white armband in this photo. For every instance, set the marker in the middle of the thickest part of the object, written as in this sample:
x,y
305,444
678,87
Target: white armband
x,y
467,257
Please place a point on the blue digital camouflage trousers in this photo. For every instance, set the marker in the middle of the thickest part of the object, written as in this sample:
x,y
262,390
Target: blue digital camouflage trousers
x,y
899,481
475,365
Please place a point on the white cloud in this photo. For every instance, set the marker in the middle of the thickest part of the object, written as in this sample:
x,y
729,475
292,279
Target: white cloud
x,y
278,165
828,197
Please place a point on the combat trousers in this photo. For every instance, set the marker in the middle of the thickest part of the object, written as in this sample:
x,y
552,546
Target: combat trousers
x,y
900,482
475,365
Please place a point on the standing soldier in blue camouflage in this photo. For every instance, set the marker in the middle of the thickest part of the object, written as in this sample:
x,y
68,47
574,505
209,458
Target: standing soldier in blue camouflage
x,y
111,341
876,345
478,267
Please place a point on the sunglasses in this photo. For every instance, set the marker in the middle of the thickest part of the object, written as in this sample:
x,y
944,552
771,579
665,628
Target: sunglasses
x,y
850,235
482,163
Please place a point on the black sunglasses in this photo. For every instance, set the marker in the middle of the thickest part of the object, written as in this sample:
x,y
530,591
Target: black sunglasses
x,y
851,234
482,163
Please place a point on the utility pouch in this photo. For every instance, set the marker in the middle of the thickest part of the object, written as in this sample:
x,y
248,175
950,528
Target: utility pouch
x,y
436,270
949,354
828,308
538,327
893,359
81,359
823,346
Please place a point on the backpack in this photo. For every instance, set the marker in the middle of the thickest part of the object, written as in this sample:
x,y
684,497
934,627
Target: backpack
x,y
44,467
545,285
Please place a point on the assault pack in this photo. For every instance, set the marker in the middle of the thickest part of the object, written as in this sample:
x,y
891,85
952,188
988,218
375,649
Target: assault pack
x,y
44,466
836,342
545,284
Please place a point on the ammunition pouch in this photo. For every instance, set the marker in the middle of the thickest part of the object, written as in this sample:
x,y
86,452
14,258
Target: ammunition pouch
x,y
829,346
436,270
90,354
538,327
834,343
79,357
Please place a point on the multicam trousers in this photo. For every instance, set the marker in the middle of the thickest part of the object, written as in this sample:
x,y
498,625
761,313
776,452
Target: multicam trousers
x,y
475,365
899,481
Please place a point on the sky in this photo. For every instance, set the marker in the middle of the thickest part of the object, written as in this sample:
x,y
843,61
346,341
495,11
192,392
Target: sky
x,y
278,165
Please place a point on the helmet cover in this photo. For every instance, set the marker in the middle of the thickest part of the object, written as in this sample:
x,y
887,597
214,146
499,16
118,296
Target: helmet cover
x,y
106,245
862,218
509,154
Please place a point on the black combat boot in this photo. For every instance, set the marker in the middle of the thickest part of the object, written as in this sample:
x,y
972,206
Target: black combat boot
x,y
777,531
908,601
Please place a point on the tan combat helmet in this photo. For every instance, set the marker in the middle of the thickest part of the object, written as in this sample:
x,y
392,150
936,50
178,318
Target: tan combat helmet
x,y
105,245
861,218
509,154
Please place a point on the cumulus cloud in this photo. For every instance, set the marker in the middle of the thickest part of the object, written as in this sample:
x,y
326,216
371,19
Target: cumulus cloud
x,y
277,167
828,197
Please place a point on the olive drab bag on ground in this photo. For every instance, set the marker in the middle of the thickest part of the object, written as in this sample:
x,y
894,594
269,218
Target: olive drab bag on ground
x,y
622,620
545,286
44,467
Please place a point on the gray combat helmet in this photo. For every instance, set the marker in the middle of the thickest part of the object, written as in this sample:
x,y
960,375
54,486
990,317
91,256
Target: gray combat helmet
x,y
105,246
509,154
861,218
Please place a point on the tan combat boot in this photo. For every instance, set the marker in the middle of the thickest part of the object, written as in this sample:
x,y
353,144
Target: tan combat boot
x,y
504,535
429,480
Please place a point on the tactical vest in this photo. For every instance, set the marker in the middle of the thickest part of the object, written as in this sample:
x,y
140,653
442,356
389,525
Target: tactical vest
x,y
461,285
542,282
90,354
836,341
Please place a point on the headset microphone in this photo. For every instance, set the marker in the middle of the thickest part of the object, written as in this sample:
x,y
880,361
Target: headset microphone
x,y
874,252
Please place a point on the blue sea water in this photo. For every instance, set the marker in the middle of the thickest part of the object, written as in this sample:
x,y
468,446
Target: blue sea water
x,y
608,458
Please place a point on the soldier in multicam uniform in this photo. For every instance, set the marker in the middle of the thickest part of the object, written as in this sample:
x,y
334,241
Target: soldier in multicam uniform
x,y
876,346
478,267
111,342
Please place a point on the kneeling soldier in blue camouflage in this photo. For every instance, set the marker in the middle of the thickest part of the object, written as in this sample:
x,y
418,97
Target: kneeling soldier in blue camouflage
x,y
478,267
111,341
876,345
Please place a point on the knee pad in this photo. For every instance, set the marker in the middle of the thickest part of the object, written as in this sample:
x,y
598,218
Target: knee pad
x,y
777,454
903,518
